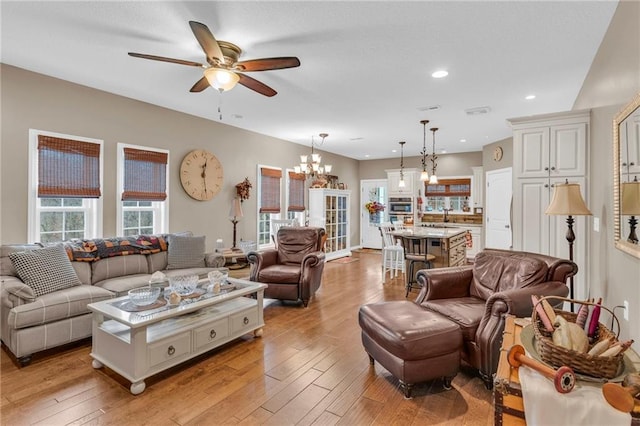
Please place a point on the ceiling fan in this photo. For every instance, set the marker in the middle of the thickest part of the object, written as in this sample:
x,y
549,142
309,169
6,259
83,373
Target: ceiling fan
x,y
223,70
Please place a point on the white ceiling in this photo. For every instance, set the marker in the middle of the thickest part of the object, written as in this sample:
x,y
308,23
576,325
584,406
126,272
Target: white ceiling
x,y
366,66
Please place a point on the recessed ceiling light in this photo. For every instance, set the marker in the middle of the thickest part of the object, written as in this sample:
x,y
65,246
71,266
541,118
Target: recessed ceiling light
x,y
529,97
444,151
463,140
366,156
439,74
394,150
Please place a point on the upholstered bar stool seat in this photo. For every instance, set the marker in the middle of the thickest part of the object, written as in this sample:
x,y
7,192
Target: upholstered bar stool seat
x,y
412,343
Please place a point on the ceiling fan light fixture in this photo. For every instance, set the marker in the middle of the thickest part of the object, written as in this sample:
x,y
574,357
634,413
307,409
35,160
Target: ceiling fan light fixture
x,y
221,79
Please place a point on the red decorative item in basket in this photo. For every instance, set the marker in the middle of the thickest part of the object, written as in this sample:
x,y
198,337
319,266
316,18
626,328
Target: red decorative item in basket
x,y
606,367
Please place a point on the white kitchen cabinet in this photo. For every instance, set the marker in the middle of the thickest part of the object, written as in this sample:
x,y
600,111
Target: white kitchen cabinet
x,y
477,187
411,184
550,150
330,209
476,244
547,150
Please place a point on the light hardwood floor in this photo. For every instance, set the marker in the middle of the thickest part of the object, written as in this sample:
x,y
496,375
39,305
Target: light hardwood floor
x,y
308,368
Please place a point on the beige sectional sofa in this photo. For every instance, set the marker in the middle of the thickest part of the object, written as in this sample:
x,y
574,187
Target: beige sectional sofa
x,y
32,322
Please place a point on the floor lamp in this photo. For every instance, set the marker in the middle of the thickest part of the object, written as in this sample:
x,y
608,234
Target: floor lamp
x,y
630,206
567,201
234,216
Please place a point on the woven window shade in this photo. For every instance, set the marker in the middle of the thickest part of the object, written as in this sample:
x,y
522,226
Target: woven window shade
x,y
270,190
68,168
449,188
296,192
145,175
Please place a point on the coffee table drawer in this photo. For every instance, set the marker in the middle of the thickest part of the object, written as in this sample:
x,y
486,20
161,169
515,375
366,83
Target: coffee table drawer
x,y
211,333
169,349
245,320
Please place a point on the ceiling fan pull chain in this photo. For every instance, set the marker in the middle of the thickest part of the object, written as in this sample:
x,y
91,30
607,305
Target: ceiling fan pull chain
x,y
220,104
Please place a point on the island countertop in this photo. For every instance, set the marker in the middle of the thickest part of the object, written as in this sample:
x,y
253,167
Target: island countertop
x,y
446,244
429,232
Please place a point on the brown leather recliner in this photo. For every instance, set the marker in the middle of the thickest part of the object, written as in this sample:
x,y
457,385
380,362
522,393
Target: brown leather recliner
x,y
477,297
293,271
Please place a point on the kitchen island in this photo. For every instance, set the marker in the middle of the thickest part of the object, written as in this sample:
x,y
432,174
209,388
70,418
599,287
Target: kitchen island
x,y
448,245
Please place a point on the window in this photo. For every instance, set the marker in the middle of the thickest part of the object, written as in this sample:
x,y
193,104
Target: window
x,y
295,196
142,188
65,187
269,201
448,194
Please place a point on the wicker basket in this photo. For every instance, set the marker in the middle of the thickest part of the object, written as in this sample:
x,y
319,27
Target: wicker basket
x,y
595,366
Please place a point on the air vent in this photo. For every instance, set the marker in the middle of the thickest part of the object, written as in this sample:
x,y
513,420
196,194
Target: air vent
x,y
429,108
478,110
356,139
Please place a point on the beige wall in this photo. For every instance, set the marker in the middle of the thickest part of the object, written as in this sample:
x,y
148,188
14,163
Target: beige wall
x,y
489,163
612,81
448,165
36,101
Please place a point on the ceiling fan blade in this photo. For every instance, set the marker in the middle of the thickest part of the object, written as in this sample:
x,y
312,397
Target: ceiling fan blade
x,y
163,59
200,85
207,41
255,85
266,64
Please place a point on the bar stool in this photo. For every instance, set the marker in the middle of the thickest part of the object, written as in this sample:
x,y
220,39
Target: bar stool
x,y
392,253
415,251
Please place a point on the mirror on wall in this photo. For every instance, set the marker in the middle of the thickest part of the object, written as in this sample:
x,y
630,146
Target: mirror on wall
x,y
626,169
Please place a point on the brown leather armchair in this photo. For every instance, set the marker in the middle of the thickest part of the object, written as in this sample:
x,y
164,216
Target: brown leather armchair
x,y
477,297
293,271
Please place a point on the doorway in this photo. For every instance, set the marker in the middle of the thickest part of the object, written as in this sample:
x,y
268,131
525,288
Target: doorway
x,y
372,190
498,200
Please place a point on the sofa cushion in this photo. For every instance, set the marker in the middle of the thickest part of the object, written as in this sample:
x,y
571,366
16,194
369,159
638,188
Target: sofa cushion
x,y
121,285
45,270
284,274
118,266
500,271
464,311
157,261
186,252
62,304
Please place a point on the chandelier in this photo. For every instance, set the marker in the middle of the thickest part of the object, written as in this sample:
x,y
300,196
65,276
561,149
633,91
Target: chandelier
x,y
311,165
433,180
401,182
424,176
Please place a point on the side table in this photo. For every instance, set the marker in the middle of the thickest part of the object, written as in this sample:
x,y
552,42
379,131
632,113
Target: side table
x,y
507,392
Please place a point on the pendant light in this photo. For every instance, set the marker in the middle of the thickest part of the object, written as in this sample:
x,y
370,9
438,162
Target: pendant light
x,y
401,182
433,180
424,176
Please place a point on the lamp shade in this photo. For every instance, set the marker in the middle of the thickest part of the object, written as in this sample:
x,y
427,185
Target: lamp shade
x,y
424,176
567,201
221,79
630,204
236,209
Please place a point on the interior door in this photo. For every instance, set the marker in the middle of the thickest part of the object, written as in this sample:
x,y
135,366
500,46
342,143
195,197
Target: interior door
x,y
498,209
372,190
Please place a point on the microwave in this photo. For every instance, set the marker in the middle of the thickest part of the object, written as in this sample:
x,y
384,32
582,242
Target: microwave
x,y
400,205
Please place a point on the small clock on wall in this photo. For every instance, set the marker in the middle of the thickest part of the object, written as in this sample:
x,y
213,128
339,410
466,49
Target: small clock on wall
x,y
201,175
497,154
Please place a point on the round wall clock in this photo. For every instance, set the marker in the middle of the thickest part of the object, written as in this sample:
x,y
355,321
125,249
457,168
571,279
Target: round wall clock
x,y
497,154
201,175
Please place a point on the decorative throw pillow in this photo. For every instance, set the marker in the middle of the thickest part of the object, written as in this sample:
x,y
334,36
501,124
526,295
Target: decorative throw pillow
x,y
45,270
185,252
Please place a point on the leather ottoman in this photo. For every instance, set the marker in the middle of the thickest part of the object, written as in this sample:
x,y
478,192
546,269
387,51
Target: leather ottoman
x,y
412,343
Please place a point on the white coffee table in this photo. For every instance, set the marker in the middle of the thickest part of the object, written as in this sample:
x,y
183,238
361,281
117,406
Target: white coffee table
x,y
137,345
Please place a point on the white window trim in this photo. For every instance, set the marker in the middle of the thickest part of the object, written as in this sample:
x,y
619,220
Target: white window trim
x,y
259,195
162,208
93,224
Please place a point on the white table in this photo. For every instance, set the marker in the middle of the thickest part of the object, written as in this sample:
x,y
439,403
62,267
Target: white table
x,y
137,345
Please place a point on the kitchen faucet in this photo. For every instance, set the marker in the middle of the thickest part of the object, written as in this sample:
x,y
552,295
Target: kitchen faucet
x,y
446,214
